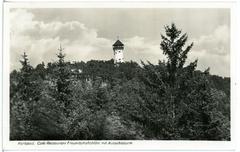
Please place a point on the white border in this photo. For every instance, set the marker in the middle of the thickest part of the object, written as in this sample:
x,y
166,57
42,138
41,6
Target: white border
x,y
137,144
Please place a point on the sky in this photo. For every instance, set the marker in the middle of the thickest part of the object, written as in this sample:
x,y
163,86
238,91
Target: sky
x,y
88,34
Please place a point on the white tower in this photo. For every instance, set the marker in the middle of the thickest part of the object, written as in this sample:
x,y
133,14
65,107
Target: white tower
x,y
118,47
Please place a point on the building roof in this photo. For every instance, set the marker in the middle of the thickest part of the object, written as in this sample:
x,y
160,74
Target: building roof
x,y
118,43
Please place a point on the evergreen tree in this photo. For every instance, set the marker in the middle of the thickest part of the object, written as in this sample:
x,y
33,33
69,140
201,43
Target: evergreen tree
x,y
63,80
25,81
172,45
22,103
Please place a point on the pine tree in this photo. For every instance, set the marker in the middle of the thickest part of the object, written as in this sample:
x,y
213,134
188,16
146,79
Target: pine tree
x,y
26,83
22,103
25,74
61,57
63,81
172,45
25,63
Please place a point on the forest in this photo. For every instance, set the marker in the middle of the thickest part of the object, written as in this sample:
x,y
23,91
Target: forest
x,y
100,100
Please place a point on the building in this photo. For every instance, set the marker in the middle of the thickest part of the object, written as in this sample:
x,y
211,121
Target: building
x,y
118,47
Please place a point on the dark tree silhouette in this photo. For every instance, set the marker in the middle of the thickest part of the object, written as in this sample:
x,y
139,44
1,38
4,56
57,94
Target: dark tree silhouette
x,y
63,80
173,46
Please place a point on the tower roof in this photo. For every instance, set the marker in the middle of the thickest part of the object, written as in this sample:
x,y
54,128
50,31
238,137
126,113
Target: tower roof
x,y
118,43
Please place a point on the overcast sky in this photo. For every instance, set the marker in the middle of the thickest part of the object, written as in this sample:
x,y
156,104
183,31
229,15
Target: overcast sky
x,y
89,34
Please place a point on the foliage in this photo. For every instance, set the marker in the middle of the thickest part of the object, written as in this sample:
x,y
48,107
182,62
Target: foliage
x,y
100,100
172,46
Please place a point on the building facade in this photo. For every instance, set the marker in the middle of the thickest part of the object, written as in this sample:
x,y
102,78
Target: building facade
x,y
118,48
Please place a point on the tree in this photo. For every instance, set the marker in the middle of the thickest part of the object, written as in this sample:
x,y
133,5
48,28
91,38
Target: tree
x,y
22,103
25,63
25,77
172,46
48,117
40,71
63,80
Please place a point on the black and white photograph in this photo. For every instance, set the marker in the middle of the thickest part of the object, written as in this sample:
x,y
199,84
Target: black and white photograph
x,y
119,74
